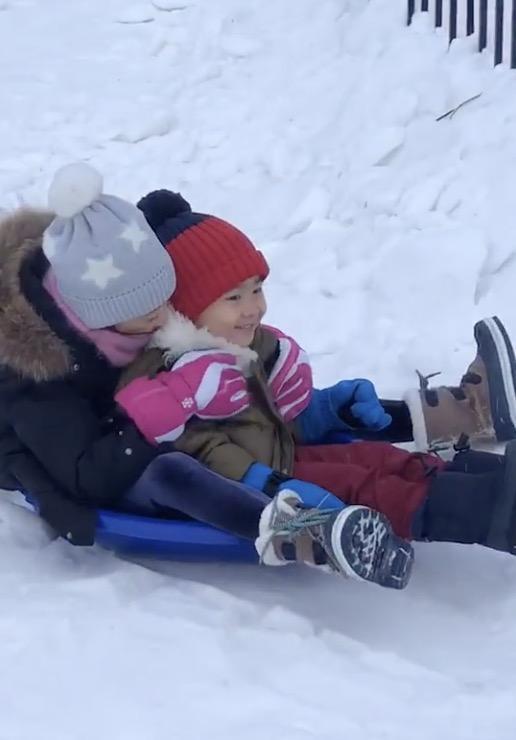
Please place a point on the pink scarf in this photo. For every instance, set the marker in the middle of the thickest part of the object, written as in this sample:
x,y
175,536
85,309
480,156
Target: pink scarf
x,y
120,349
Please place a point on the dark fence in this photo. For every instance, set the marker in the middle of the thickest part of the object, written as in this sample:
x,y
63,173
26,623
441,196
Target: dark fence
x,y
492,21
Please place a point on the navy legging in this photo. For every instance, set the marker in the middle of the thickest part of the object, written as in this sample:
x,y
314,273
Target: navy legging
x,y
175,482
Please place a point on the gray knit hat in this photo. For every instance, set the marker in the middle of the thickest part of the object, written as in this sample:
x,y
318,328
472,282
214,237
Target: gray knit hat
x,y
109,265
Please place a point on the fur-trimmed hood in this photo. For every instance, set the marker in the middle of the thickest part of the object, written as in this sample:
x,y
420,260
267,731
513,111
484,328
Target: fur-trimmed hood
x,y
28,345
180,335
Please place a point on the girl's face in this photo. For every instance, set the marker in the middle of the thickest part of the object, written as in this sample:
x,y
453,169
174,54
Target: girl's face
x,y
145,324
237,314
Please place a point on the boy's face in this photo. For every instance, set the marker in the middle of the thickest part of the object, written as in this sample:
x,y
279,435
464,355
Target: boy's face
x,y
237,314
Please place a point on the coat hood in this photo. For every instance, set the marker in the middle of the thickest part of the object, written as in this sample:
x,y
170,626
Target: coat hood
x,y
28,345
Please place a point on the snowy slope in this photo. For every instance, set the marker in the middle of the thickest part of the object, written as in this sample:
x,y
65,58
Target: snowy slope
x,y
311,124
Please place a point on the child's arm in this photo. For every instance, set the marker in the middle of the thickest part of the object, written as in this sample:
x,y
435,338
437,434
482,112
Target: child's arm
x,y
207,383
348,406
271,482
290,379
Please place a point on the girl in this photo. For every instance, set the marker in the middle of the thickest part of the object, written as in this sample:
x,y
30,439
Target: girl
x,y
220,306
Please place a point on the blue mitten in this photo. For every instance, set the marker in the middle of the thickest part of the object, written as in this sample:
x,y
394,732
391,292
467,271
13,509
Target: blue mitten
x,y
348,406
319,418
362,402
266,479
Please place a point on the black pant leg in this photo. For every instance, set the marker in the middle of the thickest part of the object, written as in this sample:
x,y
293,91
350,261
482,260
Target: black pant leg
x,y
475,461
177,482
400,430
460,506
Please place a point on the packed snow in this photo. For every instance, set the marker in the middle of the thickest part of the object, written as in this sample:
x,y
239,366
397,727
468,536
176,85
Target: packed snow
x,y
312,125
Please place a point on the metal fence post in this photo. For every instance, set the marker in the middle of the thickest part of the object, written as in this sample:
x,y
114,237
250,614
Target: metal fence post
x,y
482,25
513,35
498,54
477,19
438,13
470,17
453,20
411,7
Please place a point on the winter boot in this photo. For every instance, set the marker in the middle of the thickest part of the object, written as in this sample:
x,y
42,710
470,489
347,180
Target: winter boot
x,y
482,408
355,541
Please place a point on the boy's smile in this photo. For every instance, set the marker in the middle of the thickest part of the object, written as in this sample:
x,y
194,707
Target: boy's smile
x,y
237,314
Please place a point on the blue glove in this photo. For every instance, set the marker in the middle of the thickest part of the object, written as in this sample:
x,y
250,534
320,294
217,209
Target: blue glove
x,y
359,396
346,406
311,495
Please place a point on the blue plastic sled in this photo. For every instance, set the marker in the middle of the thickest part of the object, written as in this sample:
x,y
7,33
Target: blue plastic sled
x,y
132,534
166,538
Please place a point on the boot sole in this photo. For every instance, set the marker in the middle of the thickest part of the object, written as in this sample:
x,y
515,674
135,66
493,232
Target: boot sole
x,y
365,548
502,530
497,352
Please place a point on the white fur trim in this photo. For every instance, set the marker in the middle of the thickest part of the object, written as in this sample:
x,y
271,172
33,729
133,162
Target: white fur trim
x,y
413,400
74,188
180,335
266,551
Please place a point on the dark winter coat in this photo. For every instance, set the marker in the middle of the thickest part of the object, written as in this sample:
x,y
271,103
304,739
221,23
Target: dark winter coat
x,y
60,435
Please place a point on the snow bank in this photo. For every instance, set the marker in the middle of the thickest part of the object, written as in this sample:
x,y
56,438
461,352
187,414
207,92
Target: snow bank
x,y
313,126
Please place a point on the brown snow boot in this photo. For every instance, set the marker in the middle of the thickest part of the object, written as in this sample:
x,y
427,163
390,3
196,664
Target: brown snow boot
x,y
482,407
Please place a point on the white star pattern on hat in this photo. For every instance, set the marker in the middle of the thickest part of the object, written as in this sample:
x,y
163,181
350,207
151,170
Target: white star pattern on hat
x,y
101,271
135,235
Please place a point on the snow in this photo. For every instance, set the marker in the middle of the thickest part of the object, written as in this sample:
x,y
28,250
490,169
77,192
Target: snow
x,y
312,125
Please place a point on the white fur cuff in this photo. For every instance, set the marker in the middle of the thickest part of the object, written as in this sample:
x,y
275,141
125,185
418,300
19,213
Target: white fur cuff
x,y
413,400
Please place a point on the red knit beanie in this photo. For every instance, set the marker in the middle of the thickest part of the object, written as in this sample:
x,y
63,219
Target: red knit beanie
x,y
210,256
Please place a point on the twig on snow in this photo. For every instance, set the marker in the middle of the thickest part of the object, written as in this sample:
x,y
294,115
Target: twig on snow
x,y
453,111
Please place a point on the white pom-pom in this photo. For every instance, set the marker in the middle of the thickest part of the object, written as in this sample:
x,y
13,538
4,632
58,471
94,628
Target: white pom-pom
x,y
74,188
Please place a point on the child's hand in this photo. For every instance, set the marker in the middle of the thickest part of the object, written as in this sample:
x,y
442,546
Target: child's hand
x,y
358,397
207,383
216,383
266,479
290,380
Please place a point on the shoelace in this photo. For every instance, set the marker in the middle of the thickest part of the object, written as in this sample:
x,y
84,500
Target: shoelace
x,y
303,519
291,526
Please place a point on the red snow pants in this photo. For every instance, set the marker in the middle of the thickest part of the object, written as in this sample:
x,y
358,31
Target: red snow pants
x,y
375,474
